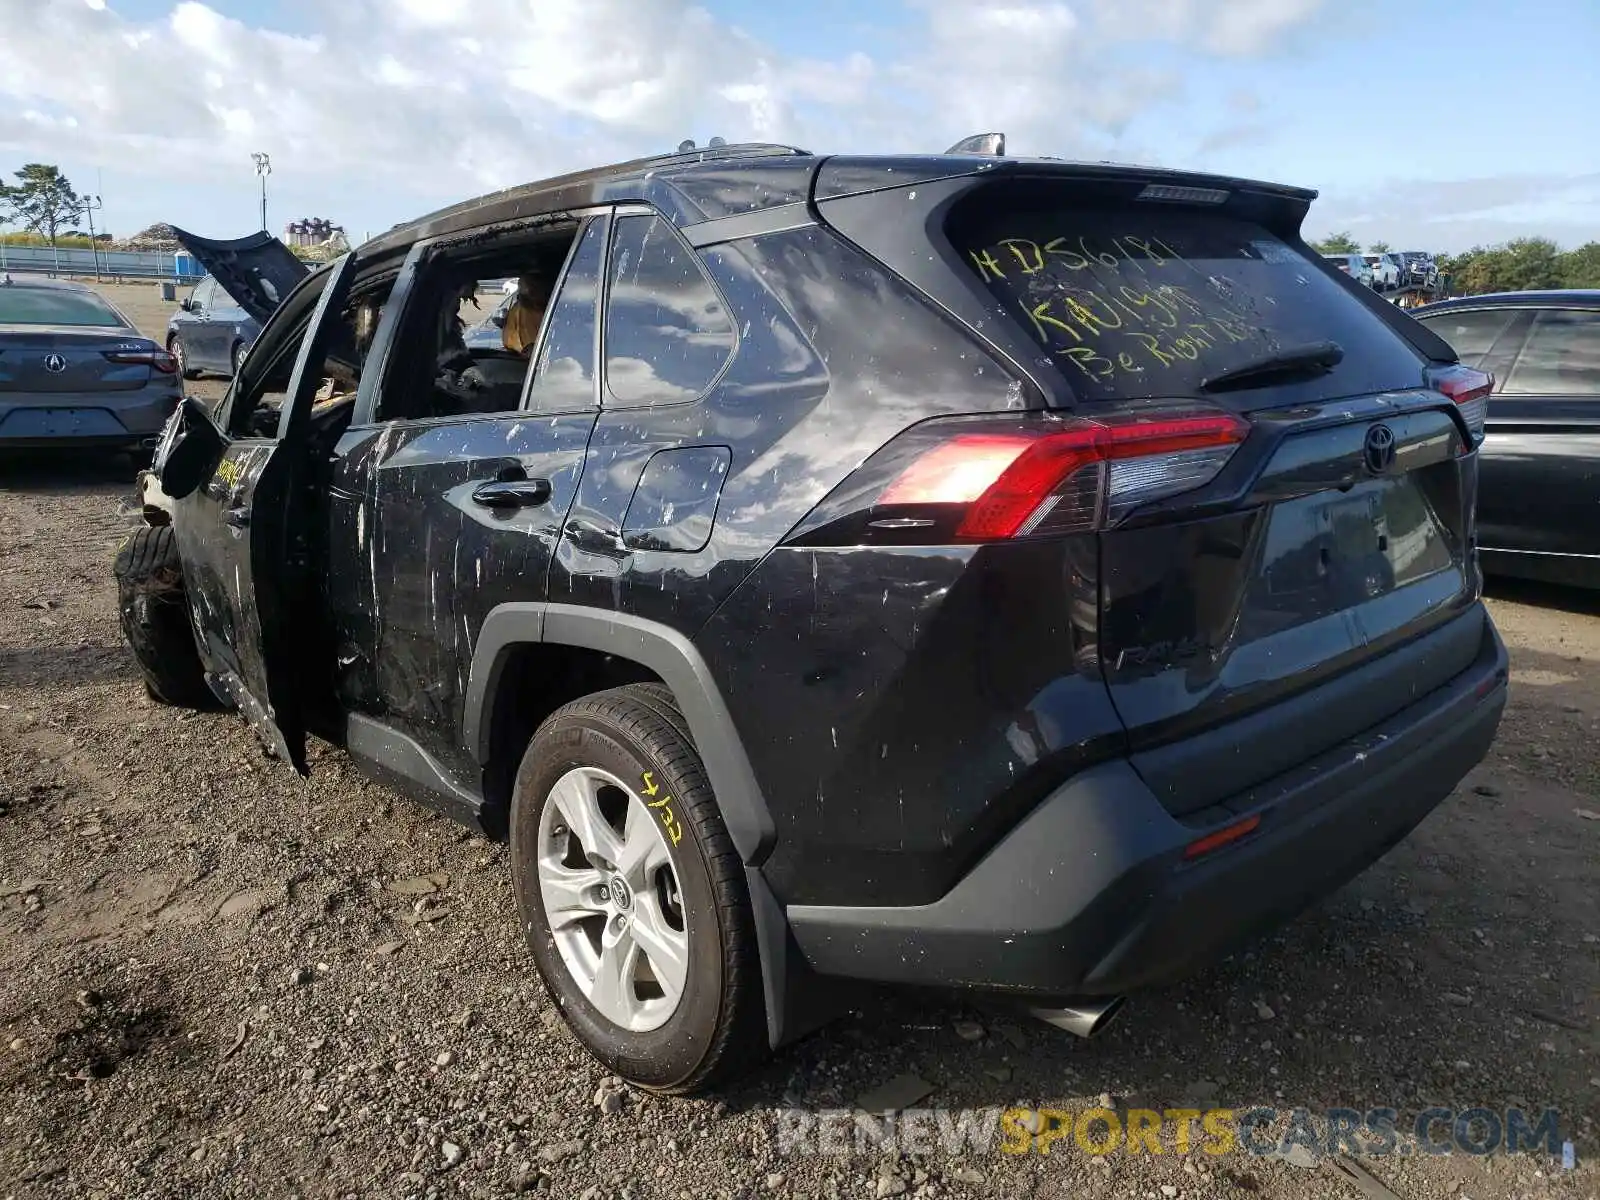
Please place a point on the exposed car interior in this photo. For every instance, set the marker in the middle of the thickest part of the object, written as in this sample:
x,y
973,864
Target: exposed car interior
x,y
263,395
455,375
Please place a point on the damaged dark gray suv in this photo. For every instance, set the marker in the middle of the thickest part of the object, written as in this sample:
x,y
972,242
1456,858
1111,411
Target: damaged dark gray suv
x,y
1014,576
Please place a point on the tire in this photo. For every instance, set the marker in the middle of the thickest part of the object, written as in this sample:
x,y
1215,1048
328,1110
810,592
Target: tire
x,y
635,737
155,619
175,348
236,357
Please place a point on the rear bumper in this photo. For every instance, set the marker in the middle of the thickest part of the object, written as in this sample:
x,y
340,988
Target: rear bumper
x,y
1090,894
131,417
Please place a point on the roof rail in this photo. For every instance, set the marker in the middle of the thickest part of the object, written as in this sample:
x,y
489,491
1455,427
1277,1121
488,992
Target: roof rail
x,y
992,144
721,148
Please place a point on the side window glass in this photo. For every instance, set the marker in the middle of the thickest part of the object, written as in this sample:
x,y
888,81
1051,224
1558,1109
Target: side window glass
x,y
563,375
1471,334
468,336
202,294
1561,356
667,334
264,388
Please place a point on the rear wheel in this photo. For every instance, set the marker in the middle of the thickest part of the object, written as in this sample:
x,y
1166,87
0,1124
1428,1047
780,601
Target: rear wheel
x,y
175,348
632,896
155,619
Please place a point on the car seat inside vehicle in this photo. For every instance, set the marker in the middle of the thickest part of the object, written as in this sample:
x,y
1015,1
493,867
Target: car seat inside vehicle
x,y
480,361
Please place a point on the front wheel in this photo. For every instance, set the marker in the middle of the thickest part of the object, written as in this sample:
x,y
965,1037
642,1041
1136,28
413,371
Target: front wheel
x,y
239,351
632,896
155,619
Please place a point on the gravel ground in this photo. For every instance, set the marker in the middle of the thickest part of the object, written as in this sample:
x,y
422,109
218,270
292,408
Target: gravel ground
x,y
218,980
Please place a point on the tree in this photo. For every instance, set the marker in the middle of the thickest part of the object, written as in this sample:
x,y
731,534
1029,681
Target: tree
x,y
42,199
1532,263
1378,248
1337,243
1580,268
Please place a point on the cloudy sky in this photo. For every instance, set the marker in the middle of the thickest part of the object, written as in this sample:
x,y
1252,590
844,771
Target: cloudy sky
x,y
1429,123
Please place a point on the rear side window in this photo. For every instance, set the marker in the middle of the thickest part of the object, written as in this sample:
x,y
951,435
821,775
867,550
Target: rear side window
x,y
563,379
1560,358
667,334
1471,334
54,306
1135,301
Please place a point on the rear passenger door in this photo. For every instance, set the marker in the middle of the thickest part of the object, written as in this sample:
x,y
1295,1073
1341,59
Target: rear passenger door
x,y
459,514
1541,478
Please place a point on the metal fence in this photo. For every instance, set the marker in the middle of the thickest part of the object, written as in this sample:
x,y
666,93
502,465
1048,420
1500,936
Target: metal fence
x,y
120,264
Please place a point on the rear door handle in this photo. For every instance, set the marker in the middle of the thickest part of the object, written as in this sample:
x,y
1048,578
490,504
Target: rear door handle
x,y
512,493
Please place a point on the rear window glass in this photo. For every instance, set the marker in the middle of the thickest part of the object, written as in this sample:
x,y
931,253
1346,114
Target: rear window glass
x,y
53,306
1134,301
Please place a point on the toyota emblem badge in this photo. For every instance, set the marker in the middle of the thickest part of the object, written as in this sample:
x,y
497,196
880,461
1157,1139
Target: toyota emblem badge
x,y
1379,449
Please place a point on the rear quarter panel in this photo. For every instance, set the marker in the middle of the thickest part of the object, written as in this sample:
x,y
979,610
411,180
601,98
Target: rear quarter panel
x,y
835,356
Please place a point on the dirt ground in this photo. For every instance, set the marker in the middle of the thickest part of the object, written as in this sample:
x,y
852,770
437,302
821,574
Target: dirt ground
x,y
216,980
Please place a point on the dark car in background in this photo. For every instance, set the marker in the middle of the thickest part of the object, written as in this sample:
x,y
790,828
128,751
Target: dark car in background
x,y
75,370
1418,269
1539,475
994,574
216,324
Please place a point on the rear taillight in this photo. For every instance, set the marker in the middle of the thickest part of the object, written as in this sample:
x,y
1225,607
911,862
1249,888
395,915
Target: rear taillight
x,y
1469,389
1068,476
155,357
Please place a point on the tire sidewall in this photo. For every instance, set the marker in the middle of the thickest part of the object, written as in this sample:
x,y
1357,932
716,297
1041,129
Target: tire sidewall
x,y
661,1057
175,348
153,611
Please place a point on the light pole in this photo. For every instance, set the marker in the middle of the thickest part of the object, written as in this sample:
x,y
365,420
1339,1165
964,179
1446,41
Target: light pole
x,y
88,205
263,169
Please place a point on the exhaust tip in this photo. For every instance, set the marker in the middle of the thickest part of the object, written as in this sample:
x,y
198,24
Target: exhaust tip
x,y
1083,1020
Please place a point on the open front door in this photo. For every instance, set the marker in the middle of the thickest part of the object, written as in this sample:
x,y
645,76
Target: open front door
x,y
241,531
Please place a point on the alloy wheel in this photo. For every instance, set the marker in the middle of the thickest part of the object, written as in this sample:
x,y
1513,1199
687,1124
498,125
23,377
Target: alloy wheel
x,y
611,898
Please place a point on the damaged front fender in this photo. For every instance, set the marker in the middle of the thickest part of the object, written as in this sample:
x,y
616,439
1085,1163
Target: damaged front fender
x,y
155,506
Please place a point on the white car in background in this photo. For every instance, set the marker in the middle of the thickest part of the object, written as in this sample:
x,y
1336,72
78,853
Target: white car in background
x,y
1385,271
1352,265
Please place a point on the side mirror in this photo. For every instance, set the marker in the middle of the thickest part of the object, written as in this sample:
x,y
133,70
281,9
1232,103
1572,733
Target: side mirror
x,y
187,304
189,449
498,319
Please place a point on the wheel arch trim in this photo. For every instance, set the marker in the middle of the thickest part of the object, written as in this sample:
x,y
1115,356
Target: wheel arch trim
x,y
661,649
794,1001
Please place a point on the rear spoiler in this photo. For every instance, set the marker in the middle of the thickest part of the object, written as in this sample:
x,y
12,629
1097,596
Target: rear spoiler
x,y
981,143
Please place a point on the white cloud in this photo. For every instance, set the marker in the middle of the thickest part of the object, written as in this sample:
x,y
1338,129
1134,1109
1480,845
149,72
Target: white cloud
x,y
1229,27
403,99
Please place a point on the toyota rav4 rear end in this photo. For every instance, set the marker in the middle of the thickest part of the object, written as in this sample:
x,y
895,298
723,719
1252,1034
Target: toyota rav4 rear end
x,y
1066,699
